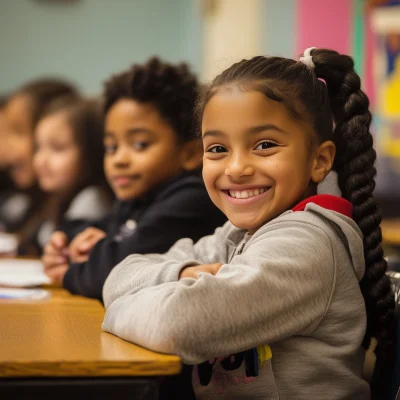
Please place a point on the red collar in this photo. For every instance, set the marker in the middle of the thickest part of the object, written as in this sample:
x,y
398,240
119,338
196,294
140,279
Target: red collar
x,y
329,202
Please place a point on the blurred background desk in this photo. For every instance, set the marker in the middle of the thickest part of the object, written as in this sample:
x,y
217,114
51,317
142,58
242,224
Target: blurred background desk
x,y
391,232
56,347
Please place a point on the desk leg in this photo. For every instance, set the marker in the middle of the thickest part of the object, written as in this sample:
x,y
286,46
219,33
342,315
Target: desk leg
x,y
79,389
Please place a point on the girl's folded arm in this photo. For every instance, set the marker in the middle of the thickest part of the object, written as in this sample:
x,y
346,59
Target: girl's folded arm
x,y
138,271
279,287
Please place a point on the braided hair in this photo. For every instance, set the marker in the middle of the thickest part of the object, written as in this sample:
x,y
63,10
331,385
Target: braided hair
x,y
171,89
328,96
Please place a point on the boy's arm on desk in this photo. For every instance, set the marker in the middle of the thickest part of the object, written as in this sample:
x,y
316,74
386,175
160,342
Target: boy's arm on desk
x,y
391,231
156,232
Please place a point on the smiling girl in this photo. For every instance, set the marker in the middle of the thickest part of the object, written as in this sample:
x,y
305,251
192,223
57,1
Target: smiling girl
x,y
68,163
282,301
22,113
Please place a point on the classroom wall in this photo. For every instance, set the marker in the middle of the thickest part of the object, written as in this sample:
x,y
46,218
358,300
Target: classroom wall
x,y
324,26
236,29
279,27
87,40
232,31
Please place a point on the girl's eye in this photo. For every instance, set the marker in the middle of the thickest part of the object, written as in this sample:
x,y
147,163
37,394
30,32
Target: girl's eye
x,y
265,145
58,147
110,148
140,145
216,149
18,131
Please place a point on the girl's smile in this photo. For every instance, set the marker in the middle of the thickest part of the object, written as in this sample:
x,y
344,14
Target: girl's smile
x,y
246,196
258,160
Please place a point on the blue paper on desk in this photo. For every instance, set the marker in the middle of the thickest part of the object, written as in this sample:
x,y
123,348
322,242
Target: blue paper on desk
x,y
23,294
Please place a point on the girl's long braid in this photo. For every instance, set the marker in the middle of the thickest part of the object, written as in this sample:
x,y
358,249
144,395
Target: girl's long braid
x,y
355,166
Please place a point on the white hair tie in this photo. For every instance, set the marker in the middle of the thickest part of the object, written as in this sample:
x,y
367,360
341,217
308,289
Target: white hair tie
x,y
307,58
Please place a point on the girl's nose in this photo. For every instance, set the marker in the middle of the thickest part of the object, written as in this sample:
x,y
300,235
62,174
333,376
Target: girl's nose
x,y
239,166
122,157
39,158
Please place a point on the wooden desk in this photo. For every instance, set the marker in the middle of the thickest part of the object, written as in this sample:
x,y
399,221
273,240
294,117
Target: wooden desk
x,y
62,337
391,231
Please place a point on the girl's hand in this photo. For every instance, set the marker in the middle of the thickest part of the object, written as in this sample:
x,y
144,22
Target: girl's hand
x,y
83,243
55,257
57,274
193,272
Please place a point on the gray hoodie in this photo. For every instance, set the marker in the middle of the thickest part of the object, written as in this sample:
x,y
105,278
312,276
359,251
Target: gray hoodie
x,y
294,287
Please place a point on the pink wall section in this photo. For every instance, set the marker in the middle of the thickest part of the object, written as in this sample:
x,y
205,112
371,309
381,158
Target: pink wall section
x,y
368,78
319,26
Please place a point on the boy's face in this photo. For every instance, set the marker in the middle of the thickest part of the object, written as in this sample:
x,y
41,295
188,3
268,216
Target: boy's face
x,y
141,149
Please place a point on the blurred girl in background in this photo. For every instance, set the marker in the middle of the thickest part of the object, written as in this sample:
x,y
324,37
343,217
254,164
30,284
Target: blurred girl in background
x,y
68,163
22,113
6,185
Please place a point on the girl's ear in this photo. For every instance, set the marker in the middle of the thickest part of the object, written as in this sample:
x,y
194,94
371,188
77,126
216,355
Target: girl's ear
x,y
191,155
323,162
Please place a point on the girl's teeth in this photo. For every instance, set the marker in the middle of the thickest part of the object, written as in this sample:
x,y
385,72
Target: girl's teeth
x,y
246,194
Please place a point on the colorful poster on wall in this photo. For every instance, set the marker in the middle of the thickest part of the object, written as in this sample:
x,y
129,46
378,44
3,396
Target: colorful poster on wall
x,y
385,26
369,30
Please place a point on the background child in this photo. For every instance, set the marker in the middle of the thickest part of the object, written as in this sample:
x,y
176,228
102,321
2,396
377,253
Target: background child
x,y
68,162
284,309
22,112
6,185
3,132
151,158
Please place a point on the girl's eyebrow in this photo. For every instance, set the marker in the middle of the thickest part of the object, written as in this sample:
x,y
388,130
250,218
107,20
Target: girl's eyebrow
x,y
266,127
135,131
129,132
253,130
213,133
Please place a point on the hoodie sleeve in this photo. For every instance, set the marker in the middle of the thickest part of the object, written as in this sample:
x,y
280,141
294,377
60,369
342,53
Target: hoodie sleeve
x,y
183,213
138,271
280,286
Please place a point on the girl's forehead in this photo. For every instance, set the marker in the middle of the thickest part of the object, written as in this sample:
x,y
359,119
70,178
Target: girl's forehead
x,y
239,112
246,100
19,111
20,103
55,126
228,107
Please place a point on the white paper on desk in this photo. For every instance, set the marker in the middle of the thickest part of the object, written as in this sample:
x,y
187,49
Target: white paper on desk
x,y
22,273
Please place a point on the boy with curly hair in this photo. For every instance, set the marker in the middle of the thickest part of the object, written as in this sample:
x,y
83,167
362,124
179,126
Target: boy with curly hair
x,y
152,160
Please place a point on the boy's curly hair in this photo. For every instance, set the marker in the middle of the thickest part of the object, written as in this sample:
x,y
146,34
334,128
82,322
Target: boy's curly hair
x,y
170,88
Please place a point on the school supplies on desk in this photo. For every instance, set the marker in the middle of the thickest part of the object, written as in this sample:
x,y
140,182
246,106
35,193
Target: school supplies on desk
x,y
24,294
22,273
8,244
